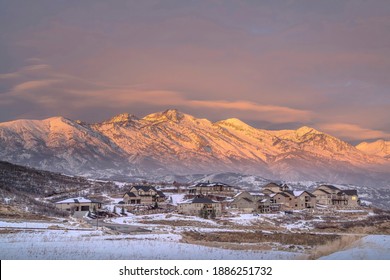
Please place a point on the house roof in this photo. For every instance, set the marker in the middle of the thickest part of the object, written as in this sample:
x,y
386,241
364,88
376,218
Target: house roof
x,y
298,193
324,191
160,194
198,200
350,192
286,193
144,188
330,187
243,192
247,199
77,200
130,194
310,194
202,200
268,190
208,184
272,185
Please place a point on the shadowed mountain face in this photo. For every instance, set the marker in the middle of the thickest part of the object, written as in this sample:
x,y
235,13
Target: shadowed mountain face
x,y
171,142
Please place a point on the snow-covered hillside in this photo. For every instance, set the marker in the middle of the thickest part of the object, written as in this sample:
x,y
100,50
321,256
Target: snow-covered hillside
x,y
379,148
171,142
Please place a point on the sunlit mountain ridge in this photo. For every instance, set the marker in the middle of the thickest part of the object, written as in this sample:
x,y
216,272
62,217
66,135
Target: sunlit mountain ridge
x,y
172,142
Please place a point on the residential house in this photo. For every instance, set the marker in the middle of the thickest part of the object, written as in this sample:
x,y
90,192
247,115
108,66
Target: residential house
x,y
294,200
352,198
281,199
78,204
274,188
244,202
143,195
265,205
198,206
212,189
323,197
253,203
332,196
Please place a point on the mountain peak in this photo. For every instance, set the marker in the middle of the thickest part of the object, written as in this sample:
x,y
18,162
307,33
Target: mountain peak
x,y
123,118
170,114
234,122
305,130
379,147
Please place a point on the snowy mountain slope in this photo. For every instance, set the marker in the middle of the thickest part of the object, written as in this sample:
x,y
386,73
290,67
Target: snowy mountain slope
x,y
171,142
56,144
292,154
379,148
182,141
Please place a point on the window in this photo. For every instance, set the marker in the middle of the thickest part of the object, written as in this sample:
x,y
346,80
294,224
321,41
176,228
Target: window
x,y
85,208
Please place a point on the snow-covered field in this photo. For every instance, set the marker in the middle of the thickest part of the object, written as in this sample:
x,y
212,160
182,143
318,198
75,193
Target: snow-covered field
x,y
97,245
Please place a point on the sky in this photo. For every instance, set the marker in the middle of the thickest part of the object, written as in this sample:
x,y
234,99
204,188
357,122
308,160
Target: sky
x,y
272,64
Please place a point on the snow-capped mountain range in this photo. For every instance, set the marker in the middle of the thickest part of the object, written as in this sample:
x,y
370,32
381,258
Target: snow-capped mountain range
x,y
378,148
171,142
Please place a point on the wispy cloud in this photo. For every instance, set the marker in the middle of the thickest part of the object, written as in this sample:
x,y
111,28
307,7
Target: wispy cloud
x,y
24,71
32,85
270,112
352,131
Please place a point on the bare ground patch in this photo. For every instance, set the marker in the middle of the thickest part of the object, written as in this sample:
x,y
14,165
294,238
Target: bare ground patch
x,y
11,212
292,242
179,223
376,224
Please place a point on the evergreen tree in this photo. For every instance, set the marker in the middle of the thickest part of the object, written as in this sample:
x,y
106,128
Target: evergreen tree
x,y
203,213
213,214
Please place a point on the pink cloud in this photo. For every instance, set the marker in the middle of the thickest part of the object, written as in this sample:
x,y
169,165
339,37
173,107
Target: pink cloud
x,y
353,131
33,85
267,112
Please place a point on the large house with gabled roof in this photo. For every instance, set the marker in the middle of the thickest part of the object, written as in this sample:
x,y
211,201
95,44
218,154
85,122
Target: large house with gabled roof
x,y
294,200
145,195
197,206
329,195
244,202
274,188
253,203
212,189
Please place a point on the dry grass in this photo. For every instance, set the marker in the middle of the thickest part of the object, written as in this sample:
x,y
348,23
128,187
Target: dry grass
x,y
11,212
302,239
178,223
333,246
377,224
